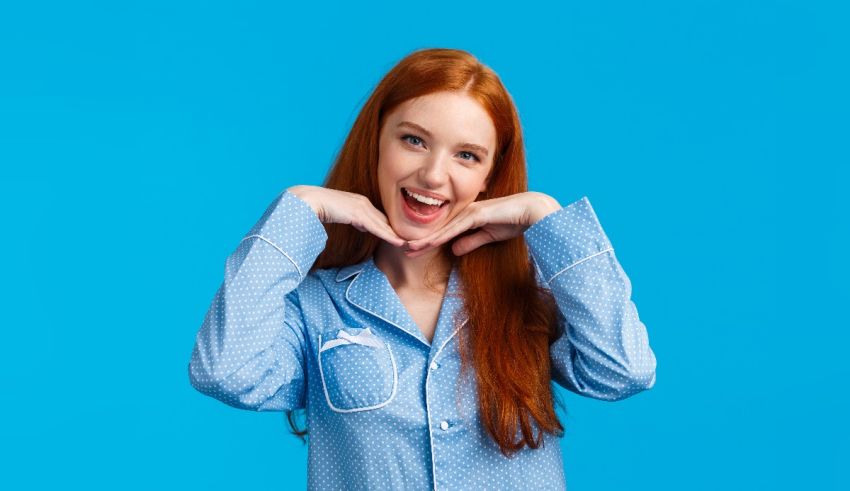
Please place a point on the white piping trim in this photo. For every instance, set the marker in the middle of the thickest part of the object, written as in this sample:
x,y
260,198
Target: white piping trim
x,y
356,409
352,302
428,407
340,276
449,339
579,262
300,275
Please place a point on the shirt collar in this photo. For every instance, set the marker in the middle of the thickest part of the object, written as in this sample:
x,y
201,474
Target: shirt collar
x,y
370,290
347,271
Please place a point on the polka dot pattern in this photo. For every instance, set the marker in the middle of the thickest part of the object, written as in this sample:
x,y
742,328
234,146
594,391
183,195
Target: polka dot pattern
x,y
603,351
356,376
386,409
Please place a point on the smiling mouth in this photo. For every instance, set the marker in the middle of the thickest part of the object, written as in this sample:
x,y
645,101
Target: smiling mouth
x,y
419,205
418,208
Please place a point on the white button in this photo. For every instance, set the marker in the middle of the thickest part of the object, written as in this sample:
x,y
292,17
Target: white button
x,y
444,425
434,365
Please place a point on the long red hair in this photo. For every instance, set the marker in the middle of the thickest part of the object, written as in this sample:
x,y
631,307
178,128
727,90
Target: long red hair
x,y
511,319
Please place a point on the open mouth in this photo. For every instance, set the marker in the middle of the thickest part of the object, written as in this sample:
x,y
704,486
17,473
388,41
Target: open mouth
x,y
423,206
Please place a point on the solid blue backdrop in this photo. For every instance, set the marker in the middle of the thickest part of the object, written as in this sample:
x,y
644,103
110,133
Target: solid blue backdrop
x,y
140,140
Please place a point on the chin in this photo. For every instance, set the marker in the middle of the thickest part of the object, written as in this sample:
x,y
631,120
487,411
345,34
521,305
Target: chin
x,y
408,233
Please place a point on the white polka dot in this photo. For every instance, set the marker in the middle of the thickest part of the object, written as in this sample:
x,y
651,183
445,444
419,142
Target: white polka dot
x,y
386,409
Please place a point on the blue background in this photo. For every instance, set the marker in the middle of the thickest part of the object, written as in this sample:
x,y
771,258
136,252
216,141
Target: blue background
x,y
140,140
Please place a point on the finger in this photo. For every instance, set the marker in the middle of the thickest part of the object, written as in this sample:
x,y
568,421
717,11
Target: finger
x,y
471,242
411,253
428,241
381,229
385,232
367,223
453,230
369,219
388,233
422,250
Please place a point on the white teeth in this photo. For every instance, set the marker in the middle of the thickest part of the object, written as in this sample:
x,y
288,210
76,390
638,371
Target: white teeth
x,y
424,199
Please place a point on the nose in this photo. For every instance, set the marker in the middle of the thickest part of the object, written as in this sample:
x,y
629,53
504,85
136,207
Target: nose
x,y
433,173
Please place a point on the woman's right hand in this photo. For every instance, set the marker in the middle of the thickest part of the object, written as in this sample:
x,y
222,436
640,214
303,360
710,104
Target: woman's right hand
x,y
334,206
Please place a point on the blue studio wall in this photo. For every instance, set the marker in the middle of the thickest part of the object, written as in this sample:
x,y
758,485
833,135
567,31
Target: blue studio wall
x,y
140,140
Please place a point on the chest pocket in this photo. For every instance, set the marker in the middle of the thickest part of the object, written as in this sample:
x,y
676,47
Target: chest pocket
x,y
358,369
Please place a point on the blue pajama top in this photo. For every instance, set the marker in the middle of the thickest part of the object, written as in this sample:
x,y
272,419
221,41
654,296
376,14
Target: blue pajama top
x,y
385,408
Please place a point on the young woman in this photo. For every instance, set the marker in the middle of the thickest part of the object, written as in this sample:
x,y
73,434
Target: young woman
x,y
420,302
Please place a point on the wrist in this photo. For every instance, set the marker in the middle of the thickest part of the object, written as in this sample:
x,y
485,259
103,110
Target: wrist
x,y
304,193
541,206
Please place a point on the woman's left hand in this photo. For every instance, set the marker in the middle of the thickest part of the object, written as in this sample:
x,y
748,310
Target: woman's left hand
x,y
498,219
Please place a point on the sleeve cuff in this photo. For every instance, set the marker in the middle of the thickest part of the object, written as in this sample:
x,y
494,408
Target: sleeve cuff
x,y
566,237
292,227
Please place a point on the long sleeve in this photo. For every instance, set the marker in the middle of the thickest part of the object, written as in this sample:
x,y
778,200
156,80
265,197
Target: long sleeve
x,y
249,351
603,349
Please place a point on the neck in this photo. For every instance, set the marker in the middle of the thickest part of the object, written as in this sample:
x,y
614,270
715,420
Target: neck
x,y
405,273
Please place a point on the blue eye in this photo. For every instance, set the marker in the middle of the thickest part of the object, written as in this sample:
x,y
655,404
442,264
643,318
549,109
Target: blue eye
x,y
408,137
411,136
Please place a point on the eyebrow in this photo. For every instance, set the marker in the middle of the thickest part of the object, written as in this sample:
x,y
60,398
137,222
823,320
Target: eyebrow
x,y
473,146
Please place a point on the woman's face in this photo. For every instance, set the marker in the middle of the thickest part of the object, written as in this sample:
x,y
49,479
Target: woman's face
x,y
439,145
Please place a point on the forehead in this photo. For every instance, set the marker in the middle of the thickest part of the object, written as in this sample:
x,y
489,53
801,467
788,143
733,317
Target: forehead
x,y
448,116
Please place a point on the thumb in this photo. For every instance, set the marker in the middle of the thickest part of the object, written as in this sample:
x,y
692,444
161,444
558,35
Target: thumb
x,y
471,242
